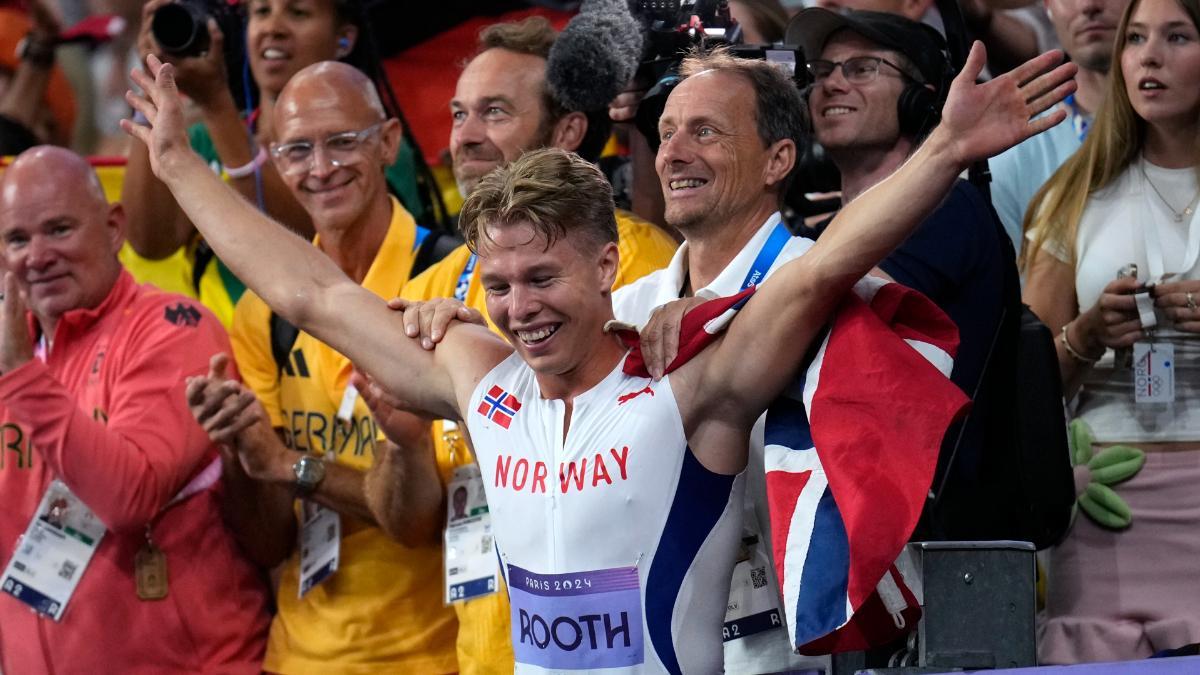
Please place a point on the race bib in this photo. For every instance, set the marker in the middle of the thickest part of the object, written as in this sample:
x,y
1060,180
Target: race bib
x,y
577,620
472,567
1153,372
53,554
753,601
320,542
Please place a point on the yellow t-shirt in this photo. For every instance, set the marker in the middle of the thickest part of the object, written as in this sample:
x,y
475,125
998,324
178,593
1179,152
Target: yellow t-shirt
x,y
174,274
383,609
484,640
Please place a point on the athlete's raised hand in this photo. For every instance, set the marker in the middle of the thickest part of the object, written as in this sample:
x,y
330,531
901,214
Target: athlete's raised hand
x,y
165,135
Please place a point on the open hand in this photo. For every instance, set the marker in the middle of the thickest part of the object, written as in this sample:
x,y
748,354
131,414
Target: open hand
x,y
980,120
166,135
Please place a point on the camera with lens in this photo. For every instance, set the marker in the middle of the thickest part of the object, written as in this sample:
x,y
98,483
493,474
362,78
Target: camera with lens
x,y
181,27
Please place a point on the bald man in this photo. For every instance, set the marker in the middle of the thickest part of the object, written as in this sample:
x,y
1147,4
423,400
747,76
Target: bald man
x,y
349,597
109,488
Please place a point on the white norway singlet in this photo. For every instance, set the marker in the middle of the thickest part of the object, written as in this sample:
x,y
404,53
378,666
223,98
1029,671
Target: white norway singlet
x,y
618,545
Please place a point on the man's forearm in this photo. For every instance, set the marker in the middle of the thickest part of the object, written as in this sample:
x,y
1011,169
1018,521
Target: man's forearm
x,y
235,149
405,492
259,515
125,474
23,99
154,224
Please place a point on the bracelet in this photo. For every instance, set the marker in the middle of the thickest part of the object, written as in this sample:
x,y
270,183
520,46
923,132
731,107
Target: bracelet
x,y
250,167
1078,356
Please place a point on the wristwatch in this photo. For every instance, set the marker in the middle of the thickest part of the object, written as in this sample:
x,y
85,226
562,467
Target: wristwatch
x,y
36,50
309,472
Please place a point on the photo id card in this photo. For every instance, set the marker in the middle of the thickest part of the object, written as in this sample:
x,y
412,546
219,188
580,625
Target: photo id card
x,y
472,567
753,599
320,542
53,554
1153,372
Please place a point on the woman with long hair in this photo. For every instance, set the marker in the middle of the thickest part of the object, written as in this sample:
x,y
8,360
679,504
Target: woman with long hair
x,y
235,128
1113,242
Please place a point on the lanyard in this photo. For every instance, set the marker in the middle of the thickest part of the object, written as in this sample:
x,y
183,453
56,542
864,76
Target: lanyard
x,y
464,279
1154,249
1078,120
766,257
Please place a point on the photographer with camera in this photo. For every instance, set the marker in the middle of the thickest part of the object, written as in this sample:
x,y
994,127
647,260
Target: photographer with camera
x,y
205,44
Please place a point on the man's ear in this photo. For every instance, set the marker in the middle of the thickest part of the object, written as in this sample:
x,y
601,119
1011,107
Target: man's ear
x,y
115,227
610,263
781,158
391,135
569,131
347,37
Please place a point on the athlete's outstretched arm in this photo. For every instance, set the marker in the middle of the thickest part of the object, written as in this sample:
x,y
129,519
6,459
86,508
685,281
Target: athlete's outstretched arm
x,y
780,321
301,284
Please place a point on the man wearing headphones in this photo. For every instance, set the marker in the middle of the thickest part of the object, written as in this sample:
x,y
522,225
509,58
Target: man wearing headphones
x,y
879,81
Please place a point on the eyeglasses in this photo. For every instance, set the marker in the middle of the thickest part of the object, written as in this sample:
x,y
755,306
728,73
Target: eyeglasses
x,y
340,149
856,70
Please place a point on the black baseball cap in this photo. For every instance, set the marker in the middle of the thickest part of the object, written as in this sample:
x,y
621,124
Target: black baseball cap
x,y
921,43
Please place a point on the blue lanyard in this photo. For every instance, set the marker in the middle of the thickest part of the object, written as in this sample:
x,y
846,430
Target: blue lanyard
x,y
464,279
766,257
1078,119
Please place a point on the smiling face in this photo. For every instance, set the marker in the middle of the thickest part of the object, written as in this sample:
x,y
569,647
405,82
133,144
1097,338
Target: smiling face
x,y
1160,63
856,116
498,113
60,237
712,163
285,36
324,101
551,303
1086,29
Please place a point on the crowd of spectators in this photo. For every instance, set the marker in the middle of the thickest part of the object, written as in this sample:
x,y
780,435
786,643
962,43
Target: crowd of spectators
x,y
216,437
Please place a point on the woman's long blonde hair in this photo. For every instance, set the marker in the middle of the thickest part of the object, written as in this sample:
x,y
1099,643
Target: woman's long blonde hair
x,y
1112,144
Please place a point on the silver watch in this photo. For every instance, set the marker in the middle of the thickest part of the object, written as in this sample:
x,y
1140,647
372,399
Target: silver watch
x,y
309,472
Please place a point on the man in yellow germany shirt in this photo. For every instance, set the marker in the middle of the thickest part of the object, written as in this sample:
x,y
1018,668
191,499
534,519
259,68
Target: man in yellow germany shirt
x,y
502,107
350,599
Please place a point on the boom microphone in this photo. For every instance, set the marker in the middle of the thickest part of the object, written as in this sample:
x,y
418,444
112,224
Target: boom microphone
x,y
595,56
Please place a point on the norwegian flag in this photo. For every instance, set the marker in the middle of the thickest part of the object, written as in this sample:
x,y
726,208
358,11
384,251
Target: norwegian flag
x,y
850,454
499,406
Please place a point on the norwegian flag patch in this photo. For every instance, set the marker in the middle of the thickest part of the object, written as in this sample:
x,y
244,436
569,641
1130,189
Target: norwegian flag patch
x,y
499,406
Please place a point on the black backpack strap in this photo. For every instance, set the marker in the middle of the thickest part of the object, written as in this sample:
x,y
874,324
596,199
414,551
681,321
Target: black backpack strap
x,y
437,245
202,258
283,337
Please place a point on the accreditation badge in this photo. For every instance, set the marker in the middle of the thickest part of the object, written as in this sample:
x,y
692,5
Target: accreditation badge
x,y
1153,372
53,554
577,620
320,543
753,598
472,566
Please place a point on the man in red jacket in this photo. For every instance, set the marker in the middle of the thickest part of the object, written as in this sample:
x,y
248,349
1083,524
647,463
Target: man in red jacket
x,y
111,542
